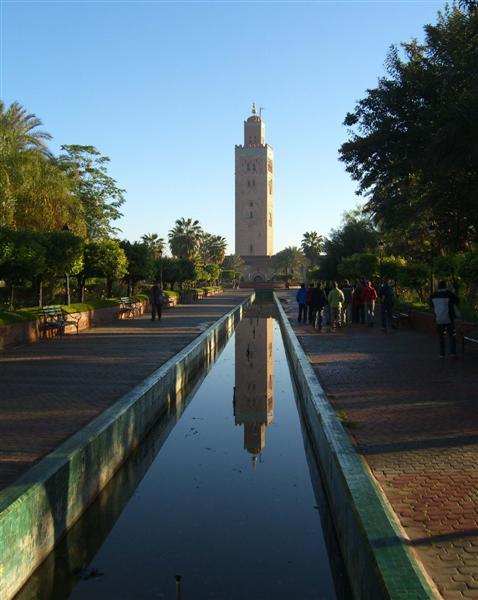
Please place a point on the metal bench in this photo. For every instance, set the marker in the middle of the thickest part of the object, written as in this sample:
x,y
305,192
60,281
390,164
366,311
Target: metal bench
x,y
399,316
469,337
128,307
56,318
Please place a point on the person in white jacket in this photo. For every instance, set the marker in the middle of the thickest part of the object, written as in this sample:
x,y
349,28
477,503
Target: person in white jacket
x,y
445,305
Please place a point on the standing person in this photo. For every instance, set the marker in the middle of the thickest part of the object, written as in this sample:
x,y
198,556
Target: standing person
x,y
318,302
356,300
347,291
385,293
358,296
445,305
308,301
155,300
301,298
369,297
336,299
327,289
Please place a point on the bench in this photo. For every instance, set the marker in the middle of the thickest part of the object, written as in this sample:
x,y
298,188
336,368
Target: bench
x,y
399,316
128,307
469,337
56,318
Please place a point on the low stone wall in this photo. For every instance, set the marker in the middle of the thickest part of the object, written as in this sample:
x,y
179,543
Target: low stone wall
x,y
44,502
425,322
31,331
378,561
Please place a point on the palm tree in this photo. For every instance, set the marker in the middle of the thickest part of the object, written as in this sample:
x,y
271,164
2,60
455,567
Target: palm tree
x,y
155,243
312,244
184,238
18,130
212,248
291,260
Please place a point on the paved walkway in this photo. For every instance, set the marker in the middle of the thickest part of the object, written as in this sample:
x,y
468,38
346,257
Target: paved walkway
x,y
50,389
414,418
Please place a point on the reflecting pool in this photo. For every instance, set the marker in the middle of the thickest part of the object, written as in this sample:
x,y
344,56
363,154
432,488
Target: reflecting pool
x,y
217,503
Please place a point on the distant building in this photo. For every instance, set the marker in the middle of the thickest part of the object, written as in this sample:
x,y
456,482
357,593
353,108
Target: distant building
x,y
255,201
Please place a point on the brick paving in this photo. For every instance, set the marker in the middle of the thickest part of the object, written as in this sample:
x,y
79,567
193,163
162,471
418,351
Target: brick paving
x,y
414,418
52,388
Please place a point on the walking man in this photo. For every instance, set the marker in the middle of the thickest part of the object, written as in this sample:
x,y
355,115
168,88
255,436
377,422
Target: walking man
x,y
445,304
301,298
155,301
385,294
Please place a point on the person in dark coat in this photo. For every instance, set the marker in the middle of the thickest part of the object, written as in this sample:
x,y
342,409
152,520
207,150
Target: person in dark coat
x,y
301,298
385,293
319,300
155,298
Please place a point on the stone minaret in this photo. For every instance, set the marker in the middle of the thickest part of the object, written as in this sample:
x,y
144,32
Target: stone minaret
x,y
254,197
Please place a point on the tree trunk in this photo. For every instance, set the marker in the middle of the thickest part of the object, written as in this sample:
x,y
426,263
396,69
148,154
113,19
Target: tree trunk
x,y
81,288
12,296
109,287
67,290
130,287
39,292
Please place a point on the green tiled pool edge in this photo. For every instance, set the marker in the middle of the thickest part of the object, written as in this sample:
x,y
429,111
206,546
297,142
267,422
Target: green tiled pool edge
x,y
46,501
378,561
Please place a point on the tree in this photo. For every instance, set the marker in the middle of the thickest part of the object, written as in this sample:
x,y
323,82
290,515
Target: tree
x,y
154,243
233,262
140,263
98,193
63,257
312,244
19,130
184,238
212,248
291,260
214,271
22,258
364,265
412,143
102,258
356,235
34,192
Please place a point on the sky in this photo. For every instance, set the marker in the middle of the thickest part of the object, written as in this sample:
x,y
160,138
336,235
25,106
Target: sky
x,y
163,89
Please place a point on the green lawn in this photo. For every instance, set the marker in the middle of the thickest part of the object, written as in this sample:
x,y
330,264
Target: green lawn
x,y
34,312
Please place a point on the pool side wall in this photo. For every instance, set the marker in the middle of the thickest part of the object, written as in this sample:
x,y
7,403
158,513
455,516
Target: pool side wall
x,y
377,559
46,501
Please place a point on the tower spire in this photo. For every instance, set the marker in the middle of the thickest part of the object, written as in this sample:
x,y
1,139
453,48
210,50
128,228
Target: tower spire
x,y
253,108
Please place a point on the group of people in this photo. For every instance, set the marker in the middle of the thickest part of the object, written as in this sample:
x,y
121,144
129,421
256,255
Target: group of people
x,y
337,306
333,305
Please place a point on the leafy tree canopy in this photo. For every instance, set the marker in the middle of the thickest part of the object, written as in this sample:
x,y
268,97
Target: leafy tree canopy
x,y
413,140
98,193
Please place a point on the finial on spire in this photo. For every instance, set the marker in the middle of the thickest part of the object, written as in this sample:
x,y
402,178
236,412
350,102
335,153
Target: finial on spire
x,y
253,108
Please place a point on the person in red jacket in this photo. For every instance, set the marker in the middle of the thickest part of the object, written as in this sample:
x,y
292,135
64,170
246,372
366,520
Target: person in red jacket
x,y
369,297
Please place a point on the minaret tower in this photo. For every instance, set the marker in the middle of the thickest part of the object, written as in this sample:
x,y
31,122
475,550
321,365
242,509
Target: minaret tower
x,y
255,198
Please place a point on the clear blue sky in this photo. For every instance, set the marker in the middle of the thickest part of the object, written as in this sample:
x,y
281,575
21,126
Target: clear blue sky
x,y
163,89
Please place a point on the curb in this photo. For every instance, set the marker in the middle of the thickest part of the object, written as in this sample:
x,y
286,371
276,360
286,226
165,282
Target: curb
x,y
40,506
378,561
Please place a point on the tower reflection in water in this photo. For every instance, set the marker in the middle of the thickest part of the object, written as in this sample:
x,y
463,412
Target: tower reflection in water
x,y
254,389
